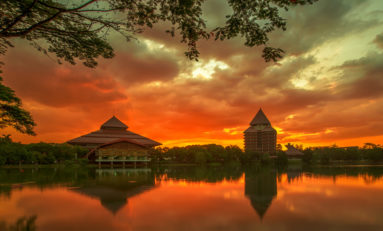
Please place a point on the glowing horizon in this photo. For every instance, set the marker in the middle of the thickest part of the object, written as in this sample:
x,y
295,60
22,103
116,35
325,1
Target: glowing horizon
x,y
326,90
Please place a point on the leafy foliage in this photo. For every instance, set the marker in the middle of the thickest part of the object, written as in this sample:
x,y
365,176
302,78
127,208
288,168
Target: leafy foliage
x,y
282,158
200,154
39,153
11,112
209,153
79,29
325,155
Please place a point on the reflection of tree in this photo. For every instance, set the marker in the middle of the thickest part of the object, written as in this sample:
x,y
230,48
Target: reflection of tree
x,y
114,187
261,188
210,174
22,224
293,174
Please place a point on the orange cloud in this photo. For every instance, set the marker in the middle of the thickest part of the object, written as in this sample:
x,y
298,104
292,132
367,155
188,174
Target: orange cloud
x,y
335,96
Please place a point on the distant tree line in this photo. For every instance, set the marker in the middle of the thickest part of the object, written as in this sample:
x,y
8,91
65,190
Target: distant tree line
x,y
211,153
12,153
324,155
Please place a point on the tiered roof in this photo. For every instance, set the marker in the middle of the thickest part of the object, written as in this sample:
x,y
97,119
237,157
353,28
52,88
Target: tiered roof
x,y
111,131
292,151
260,119
114,123
260,122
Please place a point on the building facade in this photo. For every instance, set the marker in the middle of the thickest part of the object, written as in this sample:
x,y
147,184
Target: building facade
x,y
260,137
122,151
115,144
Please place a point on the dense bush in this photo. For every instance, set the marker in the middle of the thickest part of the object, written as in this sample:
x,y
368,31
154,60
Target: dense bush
x,y
372,154
325,155
307,155
201,154
210,153
39,153
281,158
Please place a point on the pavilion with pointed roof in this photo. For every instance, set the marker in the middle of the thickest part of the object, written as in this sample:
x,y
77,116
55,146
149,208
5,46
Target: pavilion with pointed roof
x,y
113,142
110,131
260,137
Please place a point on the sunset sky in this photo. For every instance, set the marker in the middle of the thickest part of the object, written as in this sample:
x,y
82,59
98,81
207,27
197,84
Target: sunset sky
x,y
327,90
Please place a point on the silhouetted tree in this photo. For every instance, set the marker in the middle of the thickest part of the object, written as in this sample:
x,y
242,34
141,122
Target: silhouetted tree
x,y
78,30
11,112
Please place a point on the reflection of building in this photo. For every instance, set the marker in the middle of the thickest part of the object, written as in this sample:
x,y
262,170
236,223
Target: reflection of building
x,y
260,136
261,189
113,143
113,187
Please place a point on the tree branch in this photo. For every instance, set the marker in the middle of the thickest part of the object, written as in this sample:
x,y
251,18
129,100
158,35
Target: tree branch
x,y
18,18
36,25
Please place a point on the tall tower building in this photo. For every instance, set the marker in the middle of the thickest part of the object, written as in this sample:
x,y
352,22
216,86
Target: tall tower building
x,y
260,136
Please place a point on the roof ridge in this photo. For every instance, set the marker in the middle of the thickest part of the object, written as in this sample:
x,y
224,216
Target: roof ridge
x,y
260,118
114,122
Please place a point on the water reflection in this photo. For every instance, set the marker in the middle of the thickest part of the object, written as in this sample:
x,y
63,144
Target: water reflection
x,y
261,188
191,198
22,224
113,187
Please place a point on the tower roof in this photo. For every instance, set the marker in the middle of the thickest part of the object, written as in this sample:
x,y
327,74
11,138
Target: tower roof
x,y
114,123
260,118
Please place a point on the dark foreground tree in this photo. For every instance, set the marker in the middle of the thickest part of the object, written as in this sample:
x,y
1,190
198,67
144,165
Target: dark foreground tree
x,y
78,29
11,112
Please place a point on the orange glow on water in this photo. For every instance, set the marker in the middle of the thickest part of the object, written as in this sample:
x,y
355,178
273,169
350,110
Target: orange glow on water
x,y
176,204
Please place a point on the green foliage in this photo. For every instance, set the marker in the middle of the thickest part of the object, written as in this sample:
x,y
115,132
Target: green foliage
x,y
307,155
200,154
2,159
325,155
282,159
11,112
77,29
200,157
38,153
265,158
374,154
234,153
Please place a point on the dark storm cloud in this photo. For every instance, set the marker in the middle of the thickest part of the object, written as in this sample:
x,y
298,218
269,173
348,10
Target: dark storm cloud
x,y
312,26
133,70
363,78
37,78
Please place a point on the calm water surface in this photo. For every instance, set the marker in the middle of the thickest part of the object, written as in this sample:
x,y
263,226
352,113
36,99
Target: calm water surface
x,y
192,198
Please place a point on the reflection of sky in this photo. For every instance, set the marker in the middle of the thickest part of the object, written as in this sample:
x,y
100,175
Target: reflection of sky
x,y
305,202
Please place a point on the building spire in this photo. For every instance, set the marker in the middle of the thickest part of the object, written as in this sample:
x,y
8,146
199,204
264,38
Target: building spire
x,y
114,123
260,119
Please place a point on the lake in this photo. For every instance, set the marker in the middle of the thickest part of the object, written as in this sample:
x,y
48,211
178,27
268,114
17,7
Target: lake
x,y
192,198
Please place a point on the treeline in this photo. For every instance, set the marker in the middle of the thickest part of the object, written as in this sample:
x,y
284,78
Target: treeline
x,y
211,153
325,155
197,154
12,153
